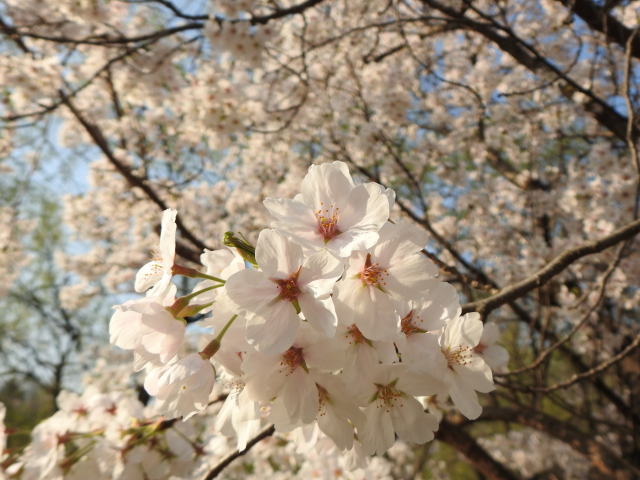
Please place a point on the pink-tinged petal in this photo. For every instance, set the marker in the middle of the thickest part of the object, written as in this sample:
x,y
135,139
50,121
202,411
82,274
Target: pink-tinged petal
x,y
399,241
374,314
419,385
168,239
361,361
151,384
411,279
465,398
143,359
336,428
378,435
476,374
343,405
275,333
320,270
161,287
465,331
124,329
368,210
411,422
441,304
165,342
421,352
148,276
291,211
324,354
386,351
262,380
320,313
495,356
276,255
307,236
490,333
217,260
325,185
352,240
300,396
279,416
250,293
185,368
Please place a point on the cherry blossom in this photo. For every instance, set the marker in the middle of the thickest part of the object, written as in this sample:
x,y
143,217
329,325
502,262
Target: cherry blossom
x,y
392,270
331,212
271,299
390,410
182,388
493,355
467,371
158,272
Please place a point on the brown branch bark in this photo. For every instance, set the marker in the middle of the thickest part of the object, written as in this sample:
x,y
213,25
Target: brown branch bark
x,y
528,56
283,12
477,456
606,463
580,376
557,265
133,179
601,21
213,473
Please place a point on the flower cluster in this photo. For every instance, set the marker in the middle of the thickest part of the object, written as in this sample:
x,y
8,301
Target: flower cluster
x,y
338,319
107,433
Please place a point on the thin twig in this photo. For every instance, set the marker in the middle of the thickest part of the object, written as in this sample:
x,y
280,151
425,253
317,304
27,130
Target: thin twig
x,y
222,464
578,376
553,268
547,352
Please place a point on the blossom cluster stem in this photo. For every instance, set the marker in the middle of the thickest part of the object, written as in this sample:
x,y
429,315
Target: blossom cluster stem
x,y
183,302
214,345
193,273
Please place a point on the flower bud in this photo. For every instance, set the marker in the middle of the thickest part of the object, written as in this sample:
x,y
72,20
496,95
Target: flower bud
x,y
244,248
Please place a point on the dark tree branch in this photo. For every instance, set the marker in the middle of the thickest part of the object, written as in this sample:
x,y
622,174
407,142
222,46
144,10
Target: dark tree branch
x,y
132,178
528,56
605,461
285,11
104,40
266,432
14,35
557,265
477,456
601,21
580,376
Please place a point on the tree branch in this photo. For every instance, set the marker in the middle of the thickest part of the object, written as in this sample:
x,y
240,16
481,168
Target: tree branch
x,y
527,55
132,178
557,265
605,461
477,456
601,21
266,432
580,376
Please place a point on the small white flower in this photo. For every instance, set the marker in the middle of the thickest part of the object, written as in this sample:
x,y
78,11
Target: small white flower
x,y
270,299
494,355
181,389
158,272
148,328
392,270
392,409
466,371
287,375
332,213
